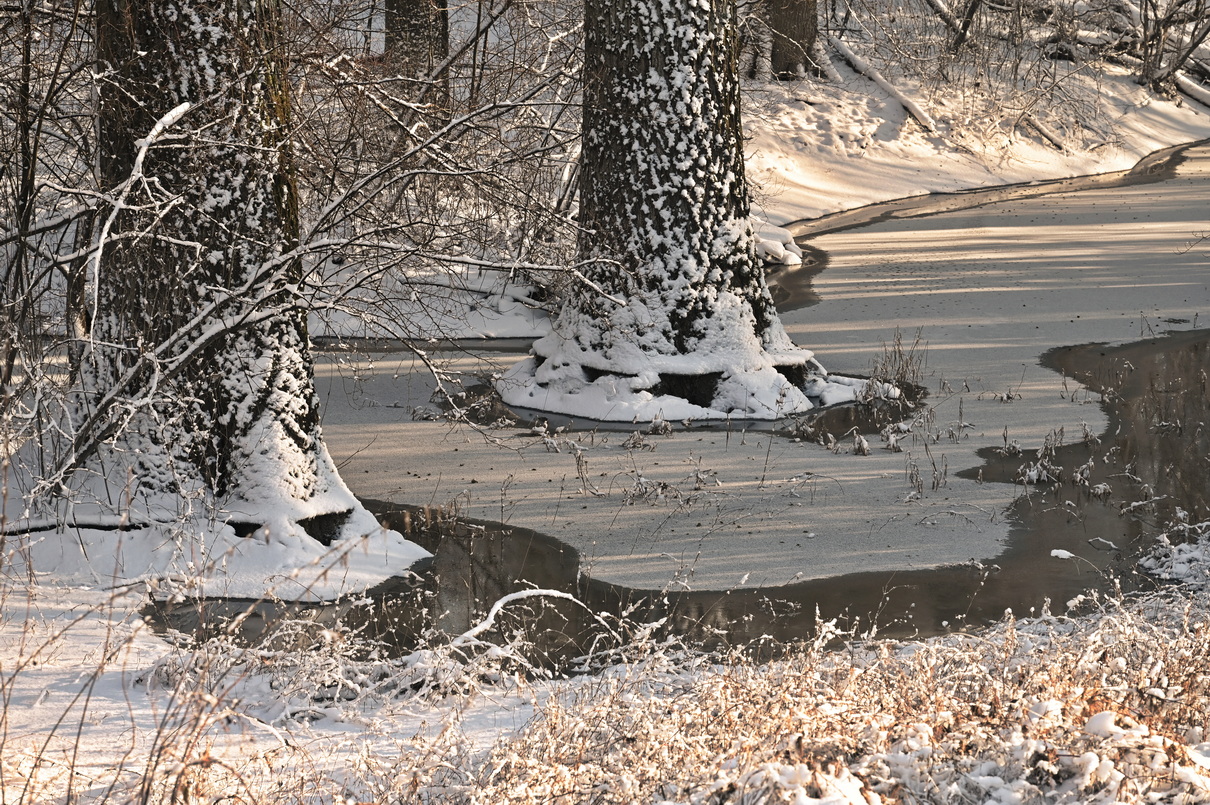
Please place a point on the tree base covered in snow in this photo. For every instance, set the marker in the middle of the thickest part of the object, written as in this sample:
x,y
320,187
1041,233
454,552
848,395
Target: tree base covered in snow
x,y
758,389
671,315
185,542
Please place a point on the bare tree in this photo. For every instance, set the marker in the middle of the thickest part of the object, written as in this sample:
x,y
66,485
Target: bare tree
x,y
46,151
417,33
1170,33
402,196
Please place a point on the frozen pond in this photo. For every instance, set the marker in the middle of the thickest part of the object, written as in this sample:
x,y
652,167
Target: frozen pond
x,y
989,289
1157,433
750,532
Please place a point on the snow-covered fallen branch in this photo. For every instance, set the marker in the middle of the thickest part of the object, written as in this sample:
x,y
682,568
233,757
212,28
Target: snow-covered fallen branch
x,y
820,54
1127,508
471,635
945,14
1047,133
1184,83
866,69
1192,88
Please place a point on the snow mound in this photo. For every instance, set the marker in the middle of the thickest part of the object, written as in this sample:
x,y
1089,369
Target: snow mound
x,y
1181,555
315,549
196,559
775,246
759,393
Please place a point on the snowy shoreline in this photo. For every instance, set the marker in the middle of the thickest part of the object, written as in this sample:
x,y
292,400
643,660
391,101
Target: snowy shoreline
x,y
1154,167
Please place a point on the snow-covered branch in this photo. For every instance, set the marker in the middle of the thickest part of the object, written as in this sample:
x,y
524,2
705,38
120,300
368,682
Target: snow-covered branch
x,y
119,196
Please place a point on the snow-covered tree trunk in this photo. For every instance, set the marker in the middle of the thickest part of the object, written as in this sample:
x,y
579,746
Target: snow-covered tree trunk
x,y
674,305
196,383
794,26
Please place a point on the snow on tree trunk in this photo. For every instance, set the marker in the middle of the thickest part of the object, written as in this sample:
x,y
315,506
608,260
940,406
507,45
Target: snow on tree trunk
x,y
674,317
196,388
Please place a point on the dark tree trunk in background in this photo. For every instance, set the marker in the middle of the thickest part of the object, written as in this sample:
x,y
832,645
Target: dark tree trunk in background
x,y
417,33
21,162
676,300
417,43
964,28
793,25
199,360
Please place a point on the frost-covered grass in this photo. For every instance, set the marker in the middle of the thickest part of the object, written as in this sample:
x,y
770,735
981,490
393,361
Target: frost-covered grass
x,y
1096,708
1109,702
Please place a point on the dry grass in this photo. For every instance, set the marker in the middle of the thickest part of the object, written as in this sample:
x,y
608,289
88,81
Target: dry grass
x,y
956,719
901,364
1002,715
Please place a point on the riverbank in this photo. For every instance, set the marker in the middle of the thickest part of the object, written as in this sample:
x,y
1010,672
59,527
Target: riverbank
x,y
823,147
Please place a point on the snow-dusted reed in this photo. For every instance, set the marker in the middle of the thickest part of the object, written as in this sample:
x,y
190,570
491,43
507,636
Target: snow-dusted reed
x,y
1110,706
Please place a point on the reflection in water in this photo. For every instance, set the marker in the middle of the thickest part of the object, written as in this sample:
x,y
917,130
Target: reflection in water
x,y
1157,389
1155,447
791,287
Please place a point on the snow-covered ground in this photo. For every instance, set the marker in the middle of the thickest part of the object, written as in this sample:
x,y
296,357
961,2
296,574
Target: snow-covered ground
x,y
819,148
96,706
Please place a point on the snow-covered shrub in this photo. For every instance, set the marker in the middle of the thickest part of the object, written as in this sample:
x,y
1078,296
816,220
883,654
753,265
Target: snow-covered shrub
x,y
1107,707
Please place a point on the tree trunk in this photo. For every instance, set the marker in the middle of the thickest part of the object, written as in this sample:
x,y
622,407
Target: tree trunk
x,y
794,26
676,301
662,171
417,43
964,29
200,366
417,33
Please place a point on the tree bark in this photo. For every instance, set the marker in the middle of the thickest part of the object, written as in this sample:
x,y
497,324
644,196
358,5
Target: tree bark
x,y
417,33
675,300
794,26
200,365
417,45
663,190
